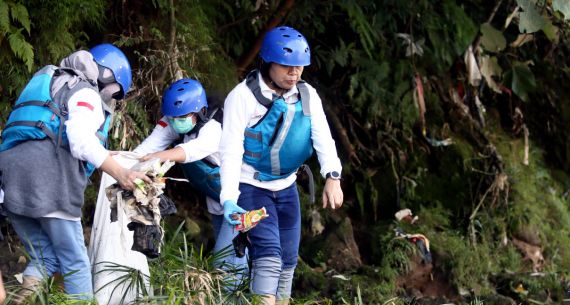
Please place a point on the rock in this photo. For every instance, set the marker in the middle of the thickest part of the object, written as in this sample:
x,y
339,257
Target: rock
x,y
341,248
528,234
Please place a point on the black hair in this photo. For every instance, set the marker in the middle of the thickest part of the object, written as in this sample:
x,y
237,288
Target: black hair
x,y
264,69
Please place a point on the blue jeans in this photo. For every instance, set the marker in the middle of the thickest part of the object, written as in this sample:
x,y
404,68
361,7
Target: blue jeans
x,y
56,245
228,261
275,240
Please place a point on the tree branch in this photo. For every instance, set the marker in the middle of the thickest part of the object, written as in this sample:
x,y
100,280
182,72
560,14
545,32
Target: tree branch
x,y
341,131
248,57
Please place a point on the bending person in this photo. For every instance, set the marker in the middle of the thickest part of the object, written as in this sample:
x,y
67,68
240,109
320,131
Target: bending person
x,y
187,121
45,166
272,122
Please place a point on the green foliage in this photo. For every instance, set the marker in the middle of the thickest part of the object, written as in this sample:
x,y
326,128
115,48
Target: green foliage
x,y
521,80
21,48
130,126
492,39
13,20
563,7
29,37
530,19
184,273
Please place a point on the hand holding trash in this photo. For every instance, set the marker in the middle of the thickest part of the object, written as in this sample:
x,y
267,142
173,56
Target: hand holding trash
x,y
125,177
141,206
230,208
250,219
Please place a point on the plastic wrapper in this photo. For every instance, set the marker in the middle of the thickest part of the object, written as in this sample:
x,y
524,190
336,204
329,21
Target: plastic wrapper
x,y
250,219
142,206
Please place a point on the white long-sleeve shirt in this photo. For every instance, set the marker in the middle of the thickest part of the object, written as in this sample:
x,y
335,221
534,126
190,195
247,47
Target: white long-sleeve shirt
x,y
85,118
205,145
241,110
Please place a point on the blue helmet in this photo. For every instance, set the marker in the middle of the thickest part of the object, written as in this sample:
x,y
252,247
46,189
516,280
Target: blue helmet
x,y
109,56
183,97
285,46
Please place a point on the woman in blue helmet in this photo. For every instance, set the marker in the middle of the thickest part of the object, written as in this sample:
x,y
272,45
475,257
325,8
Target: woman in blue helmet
x,y
272,122
186,120
44,176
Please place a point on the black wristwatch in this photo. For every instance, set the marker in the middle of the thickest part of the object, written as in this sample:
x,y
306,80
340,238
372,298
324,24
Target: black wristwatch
x,y
334,175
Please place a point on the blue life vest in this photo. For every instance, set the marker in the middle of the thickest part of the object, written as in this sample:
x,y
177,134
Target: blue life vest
x,y
281,141
202,174
36,115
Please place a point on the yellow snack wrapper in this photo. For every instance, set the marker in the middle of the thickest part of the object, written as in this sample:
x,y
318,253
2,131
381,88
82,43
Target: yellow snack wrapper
x,y
250,219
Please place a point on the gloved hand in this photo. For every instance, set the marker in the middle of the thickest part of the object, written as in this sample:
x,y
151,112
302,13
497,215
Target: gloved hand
x,y
230,208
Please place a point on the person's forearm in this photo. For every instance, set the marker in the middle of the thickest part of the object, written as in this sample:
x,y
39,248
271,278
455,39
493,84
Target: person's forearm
x,y
176,154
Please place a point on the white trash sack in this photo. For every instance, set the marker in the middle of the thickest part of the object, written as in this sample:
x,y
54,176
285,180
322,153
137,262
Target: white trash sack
x,y
110,251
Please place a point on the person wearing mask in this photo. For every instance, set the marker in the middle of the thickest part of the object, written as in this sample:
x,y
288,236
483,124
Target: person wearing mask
x,y
196,130
52,142
272,123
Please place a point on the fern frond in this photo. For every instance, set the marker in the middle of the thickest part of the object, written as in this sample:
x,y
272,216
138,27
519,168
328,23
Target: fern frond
x,y
361,25
4,18
20,13
21,48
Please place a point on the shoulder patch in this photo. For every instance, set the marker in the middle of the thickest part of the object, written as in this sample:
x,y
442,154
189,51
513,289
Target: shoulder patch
x,y
162,123
85,104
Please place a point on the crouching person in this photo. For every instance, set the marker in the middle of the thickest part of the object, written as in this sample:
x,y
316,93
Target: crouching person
x,y
51,144
195,130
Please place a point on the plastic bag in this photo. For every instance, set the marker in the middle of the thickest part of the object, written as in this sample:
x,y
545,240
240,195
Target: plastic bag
x,y
110,251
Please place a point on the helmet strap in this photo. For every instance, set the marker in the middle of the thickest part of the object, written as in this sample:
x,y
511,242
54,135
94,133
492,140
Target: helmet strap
x,y
202,115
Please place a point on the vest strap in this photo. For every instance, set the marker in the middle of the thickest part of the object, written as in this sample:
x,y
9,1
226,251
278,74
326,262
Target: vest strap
x,y
253,135
61,113
307,170
38,124
252,154
305,97
252,82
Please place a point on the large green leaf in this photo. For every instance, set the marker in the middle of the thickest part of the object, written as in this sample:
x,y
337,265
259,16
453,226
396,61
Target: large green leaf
x,y
522,80
530,19
551,31
492,39
563,6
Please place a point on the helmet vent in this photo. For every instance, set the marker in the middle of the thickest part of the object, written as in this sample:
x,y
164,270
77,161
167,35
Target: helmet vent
x,y
288,50
180,89
286,35
307,50
177,103
186,82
